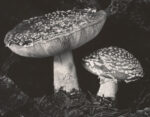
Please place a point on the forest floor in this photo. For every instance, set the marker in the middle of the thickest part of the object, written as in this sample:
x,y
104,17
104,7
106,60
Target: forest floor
x,y
14,103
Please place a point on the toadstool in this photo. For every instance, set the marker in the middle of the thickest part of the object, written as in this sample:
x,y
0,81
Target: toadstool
x,y
112,64
56,34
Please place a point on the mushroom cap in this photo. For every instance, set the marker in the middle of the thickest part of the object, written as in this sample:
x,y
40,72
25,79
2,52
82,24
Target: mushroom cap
x,y
54,33
114,62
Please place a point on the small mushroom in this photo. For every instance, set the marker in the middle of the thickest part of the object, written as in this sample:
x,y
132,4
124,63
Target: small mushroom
x,y
112,64
57,34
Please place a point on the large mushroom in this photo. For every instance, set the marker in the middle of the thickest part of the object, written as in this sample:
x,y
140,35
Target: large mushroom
x,y
113,64
56,34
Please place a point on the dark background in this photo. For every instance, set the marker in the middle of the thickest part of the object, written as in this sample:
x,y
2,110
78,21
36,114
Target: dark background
x,y
127,26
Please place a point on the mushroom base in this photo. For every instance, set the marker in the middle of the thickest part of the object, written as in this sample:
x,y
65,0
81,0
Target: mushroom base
x,y
108,88
65,72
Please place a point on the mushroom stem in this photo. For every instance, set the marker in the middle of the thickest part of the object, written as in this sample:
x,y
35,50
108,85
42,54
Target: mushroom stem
x,y
108,88
65,72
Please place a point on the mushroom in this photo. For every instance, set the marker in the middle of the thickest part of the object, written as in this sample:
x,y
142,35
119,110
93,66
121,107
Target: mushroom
x,y
112,64
57,34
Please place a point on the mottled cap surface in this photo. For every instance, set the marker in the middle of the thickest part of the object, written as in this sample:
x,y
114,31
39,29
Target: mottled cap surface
x,y
114,62
55,32
48,26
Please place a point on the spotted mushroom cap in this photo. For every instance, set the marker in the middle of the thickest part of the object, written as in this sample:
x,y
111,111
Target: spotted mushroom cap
x,y
114,62
55,32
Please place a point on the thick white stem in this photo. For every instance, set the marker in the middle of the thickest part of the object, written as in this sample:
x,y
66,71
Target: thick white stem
x,y
108,88
65,72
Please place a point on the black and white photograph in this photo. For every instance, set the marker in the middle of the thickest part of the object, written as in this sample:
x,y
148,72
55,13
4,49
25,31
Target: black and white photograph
x,y
74,58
